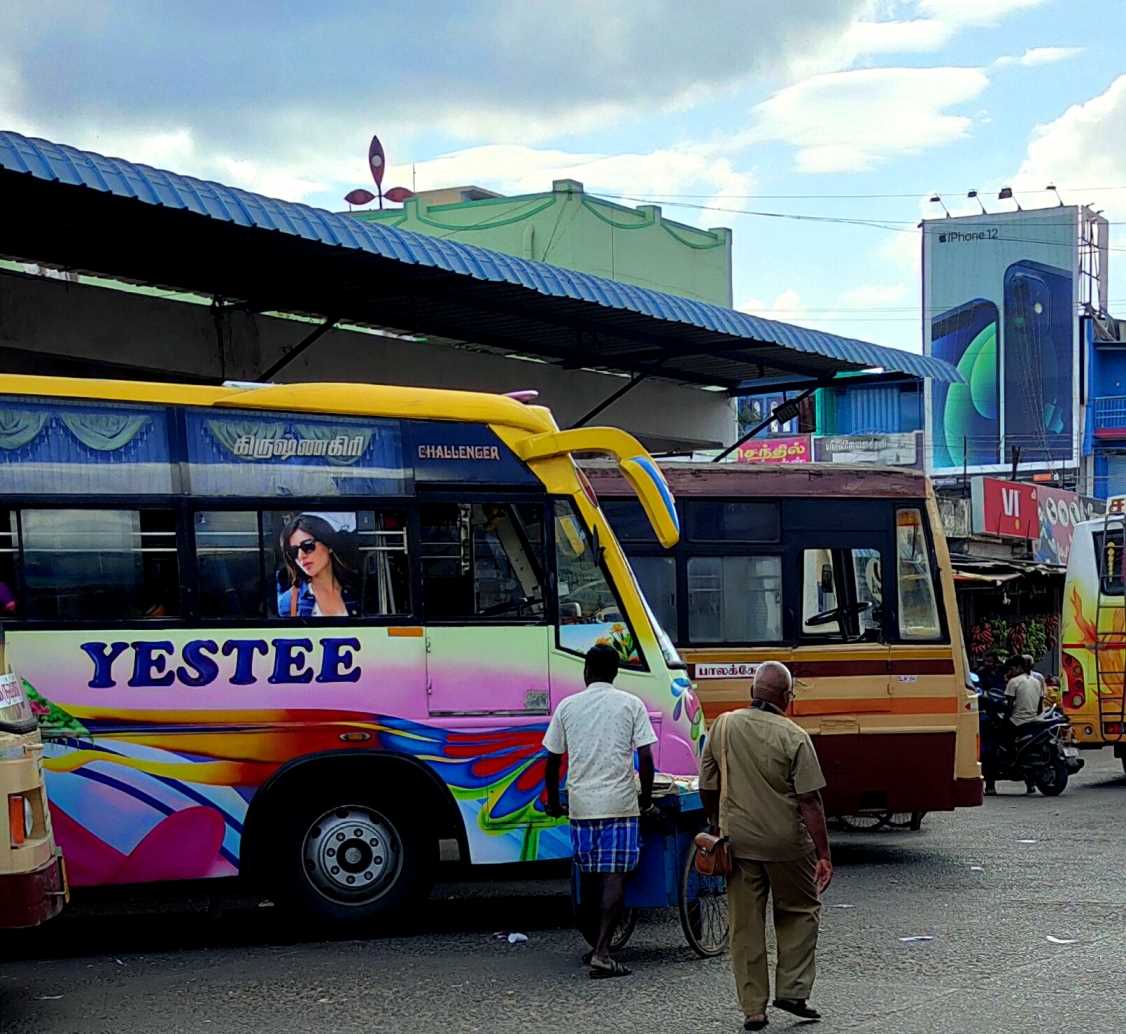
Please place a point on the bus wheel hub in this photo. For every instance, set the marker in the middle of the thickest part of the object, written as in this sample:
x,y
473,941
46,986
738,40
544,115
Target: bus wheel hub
x,y
350,853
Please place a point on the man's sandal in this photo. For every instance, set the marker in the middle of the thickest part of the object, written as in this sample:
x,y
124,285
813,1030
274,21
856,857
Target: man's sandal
x,y
604,971
797,1007
756,1024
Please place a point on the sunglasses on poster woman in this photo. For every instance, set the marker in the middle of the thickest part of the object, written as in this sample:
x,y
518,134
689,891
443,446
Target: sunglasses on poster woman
x,y
306,547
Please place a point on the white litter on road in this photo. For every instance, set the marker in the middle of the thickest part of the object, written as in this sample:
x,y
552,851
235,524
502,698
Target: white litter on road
x,y
517,938
48,998
1028,841
918,937
977,868
844,906
1061,940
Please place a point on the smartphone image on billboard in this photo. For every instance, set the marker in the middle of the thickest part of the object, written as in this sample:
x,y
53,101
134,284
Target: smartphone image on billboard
x,y
1037,361
965,418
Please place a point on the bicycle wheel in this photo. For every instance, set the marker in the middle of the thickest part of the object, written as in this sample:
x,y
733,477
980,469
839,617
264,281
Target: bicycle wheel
x,y
868,822
587,919
703,909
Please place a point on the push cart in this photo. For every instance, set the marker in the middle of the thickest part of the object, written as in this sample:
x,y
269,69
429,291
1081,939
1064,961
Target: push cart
x,y
666,877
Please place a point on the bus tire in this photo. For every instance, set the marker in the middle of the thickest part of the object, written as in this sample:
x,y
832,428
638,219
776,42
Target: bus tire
x,y
349,858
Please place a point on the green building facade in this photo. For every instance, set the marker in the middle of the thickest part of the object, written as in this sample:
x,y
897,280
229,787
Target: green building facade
x,y
568,227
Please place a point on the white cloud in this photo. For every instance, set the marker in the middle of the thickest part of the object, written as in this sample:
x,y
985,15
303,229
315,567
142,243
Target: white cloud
x,y
873,32
874,296
1041,56
516,169
850,121
1084,147
896,37
787,307
975,12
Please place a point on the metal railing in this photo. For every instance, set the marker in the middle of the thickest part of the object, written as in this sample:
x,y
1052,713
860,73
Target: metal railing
x,y
1110,412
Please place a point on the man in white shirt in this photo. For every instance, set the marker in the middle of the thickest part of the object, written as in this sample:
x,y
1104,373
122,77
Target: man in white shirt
x,y
599,729
1025,695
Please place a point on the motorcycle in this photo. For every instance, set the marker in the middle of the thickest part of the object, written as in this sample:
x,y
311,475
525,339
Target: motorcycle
x,y
1039,753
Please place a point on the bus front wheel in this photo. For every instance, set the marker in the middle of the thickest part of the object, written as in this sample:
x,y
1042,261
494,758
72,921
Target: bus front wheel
x,y
352,861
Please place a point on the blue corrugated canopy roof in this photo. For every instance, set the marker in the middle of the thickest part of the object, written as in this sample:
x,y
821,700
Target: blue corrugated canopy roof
x,y
80,210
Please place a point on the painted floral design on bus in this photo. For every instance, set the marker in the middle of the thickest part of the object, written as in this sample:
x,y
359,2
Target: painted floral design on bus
x,y
128,812
152,741
688,704
621,639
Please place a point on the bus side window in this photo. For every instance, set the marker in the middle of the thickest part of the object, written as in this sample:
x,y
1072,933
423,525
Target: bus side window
x,y
1111,558
735,599
230,564
384,566
842,594
482,560
86,564
918,606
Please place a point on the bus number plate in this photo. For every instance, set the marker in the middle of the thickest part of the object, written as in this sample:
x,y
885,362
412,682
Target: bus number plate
x,y
725,671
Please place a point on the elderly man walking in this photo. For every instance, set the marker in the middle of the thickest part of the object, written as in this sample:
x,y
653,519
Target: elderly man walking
x,y
759,776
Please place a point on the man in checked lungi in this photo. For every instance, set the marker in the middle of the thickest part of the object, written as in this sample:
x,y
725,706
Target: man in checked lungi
x,y
599,730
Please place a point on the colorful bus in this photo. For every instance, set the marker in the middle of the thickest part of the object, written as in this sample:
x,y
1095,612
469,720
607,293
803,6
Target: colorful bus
x,y
842,573
1093,632
32,878
313,633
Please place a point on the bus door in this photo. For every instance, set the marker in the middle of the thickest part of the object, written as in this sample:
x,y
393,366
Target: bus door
x,y
842,658
487,639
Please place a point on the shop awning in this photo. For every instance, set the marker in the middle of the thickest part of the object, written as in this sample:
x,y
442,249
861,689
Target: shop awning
x,y
61,206
984,571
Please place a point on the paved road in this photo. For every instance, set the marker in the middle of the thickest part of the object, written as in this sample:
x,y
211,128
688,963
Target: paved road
x,y
189,963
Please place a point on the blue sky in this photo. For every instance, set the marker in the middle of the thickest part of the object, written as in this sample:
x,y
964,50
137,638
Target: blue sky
x,y
723,109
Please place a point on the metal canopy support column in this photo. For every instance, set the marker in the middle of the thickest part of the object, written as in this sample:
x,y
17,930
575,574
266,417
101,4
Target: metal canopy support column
x,y
633,382
311,338
765,423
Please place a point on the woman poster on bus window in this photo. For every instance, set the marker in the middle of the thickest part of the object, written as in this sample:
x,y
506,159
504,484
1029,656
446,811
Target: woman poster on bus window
x,y
317,577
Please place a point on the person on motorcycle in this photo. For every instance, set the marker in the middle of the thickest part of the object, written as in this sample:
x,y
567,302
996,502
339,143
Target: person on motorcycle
x,y
1023,696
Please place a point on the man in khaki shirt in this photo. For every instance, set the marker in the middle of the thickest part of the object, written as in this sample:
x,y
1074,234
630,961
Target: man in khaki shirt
x,y
760,775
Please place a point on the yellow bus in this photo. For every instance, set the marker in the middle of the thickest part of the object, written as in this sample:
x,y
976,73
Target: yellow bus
x,y
1093,632
842,573
32,878
313,633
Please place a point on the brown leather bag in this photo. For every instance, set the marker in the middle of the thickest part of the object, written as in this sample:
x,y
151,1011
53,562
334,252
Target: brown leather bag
x,y
713,855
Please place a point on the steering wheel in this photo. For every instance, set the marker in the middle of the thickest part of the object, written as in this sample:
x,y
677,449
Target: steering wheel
x,y
827,617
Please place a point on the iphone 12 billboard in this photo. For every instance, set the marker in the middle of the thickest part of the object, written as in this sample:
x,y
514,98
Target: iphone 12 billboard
x,y
965,418
1000,297
1038,360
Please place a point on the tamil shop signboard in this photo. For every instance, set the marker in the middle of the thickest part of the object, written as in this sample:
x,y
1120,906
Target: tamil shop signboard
x,y
791,448
891,450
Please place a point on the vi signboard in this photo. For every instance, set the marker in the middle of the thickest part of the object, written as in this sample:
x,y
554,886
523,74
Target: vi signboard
x,y
1007,509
